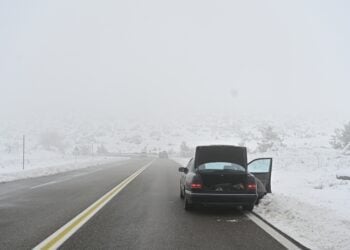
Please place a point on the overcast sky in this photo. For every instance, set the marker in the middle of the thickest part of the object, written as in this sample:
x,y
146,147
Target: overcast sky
x,y
150,57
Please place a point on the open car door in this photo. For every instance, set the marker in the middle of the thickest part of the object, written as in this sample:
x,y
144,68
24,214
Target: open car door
x,y
261,168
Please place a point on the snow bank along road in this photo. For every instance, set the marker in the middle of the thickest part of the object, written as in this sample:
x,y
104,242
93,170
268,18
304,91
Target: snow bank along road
x,y
128,205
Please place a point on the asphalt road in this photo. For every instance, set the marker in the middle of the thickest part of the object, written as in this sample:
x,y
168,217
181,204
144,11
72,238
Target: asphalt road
x,y
146,214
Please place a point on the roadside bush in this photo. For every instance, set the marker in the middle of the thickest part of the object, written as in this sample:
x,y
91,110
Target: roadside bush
x,y
136,139
102,150
341,138
52,141
85,150
186,151
269,139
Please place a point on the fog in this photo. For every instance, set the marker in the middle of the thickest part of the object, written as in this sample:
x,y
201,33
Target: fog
x,y
159,58
92,91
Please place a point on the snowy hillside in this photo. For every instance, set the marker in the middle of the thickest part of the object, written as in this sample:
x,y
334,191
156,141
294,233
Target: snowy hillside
x,y
308,201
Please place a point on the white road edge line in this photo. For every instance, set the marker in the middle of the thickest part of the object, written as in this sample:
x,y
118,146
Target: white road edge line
x,y
56,239
271,231
44,184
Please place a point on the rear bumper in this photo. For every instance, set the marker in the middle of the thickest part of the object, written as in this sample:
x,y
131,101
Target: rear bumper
x,y
220,199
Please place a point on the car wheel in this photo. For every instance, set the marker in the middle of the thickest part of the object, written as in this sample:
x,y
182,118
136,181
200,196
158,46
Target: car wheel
x,y
181,193
248,207
257,201
187,206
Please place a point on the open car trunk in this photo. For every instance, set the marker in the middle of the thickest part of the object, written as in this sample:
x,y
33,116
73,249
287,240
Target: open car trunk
x,y
222,180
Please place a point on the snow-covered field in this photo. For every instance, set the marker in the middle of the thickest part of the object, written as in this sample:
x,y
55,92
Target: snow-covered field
x,y
49,164
308,201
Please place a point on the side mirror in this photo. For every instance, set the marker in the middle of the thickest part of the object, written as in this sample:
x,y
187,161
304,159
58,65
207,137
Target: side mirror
x,y
183,170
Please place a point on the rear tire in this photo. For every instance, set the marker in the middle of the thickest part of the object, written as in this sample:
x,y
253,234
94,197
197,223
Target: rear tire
x,y
248,207
257,201
187,205
181,193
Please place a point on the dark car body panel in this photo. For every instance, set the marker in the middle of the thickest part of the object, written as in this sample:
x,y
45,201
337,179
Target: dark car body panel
x,y
208,199
206,154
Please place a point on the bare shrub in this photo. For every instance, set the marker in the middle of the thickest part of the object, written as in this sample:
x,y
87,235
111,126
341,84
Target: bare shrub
x,y
269,139
52,141
341,138
102,150
186,151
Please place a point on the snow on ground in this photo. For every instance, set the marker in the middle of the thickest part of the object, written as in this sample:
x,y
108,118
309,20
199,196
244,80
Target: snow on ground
x,y
51,165
308,201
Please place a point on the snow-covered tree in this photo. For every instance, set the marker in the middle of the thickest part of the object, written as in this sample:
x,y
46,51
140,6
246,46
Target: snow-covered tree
x,y
52,141
269,139
185,150
341,138
102,150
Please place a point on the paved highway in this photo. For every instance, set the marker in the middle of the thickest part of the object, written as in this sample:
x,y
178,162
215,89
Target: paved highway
x,y
141,211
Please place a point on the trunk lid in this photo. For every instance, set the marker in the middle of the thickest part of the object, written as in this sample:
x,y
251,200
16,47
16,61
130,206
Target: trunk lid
x,y
221,153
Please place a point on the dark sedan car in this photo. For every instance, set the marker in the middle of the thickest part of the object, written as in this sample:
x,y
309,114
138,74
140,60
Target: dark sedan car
x,y
220,175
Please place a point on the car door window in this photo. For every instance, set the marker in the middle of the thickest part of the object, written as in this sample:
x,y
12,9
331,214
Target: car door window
x,y
260,166
189,165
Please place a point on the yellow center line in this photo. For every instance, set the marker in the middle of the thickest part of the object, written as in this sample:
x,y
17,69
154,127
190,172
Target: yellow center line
x,y
61,235
79,219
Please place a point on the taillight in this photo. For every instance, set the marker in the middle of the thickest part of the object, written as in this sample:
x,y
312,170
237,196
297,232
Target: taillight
x,y
251,186
196,186
196,182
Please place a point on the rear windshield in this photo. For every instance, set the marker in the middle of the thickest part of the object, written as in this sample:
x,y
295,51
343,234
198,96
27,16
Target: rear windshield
x,y
221,166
